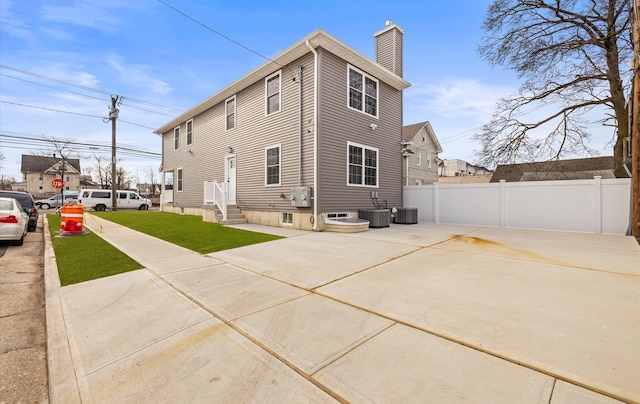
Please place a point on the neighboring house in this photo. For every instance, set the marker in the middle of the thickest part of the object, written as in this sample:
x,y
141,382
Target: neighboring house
x,y
39,171
574,169
420,148
86,182
315,130
459,168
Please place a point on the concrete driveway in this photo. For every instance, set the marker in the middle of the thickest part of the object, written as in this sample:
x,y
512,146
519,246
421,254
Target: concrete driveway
x,y
410,313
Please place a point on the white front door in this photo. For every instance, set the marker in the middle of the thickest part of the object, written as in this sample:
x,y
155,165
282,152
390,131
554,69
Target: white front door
x,y
230,178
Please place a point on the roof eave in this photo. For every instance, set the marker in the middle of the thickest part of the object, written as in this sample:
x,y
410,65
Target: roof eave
x,y
318,38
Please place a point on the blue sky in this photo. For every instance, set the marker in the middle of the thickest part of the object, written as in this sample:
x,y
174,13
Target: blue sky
x,y
145,51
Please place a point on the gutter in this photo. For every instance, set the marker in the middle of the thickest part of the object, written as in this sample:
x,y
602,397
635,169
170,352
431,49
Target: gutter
x,y
315,135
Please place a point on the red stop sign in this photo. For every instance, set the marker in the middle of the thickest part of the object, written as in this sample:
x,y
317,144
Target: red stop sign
x,y
57,183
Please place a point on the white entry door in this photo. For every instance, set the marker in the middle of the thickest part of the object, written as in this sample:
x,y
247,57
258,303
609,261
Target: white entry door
x,y
230,178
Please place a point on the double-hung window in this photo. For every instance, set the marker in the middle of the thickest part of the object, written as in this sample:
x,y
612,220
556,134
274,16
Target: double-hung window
x,y
272,165
419,157
363,92
176,138
230,113
362,166
190,132
180,179
272,93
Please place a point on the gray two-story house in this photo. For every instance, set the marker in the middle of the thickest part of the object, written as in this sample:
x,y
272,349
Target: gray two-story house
x,y
314,131
420,149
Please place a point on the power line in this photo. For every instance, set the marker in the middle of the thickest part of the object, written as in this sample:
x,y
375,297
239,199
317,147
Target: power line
x,y
51,109
73,113
86,88
17,140
83,95
218,33
55,88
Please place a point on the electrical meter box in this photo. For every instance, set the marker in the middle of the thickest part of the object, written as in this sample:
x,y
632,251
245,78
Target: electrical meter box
x,y
301,197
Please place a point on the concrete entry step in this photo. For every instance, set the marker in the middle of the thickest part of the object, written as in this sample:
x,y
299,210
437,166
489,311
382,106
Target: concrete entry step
x,y
234,215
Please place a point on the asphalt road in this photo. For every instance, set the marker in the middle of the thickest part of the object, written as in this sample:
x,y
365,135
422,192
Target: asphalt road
x,y
23,336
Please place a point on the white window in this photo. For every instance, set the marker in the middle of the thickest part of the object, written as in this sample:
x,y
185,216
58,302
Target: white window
x,y
41,176
363,92
424,135
272,93
272,165
429,159
230,113
419,157
362,165
180,182
189,132
287,218
176,138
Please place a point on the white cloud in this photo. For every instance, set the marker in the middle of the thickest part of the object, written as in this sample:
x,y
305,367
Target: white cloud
x,y
138,75
456,98
12,25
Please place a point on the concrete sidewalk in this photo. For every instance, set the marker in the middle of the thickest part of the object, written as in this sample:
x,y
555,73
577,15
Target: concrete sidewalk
x,y
420,313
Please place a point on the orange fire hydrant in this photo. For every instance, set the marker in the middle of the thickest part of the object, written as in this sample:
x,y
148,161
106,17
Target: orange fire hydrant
x,y
71,216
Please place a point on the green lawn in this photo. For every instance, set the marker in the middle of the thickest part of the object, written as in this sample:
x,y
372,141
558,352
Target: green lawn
x,y
87,257
187,231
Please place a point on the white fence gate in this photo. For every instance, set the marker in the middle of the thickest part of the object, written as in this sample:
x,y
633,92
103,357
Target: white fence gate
x,y
588,206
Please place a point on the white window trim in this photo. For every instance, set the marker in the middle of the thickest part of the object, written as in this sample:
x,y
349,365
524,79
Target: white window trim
x,y
418,157
266,100
363,159
177,128
282,222
235,113
179,185
279,147
429,159
364,75
190,121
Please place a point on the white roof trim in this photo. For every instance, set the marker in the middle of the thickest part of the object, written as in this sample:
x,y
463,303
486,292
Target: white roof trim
x,y
318,38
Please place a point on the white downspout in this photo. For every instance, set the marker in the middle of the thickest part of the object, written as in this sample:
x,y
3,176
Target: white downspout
x,y
315,135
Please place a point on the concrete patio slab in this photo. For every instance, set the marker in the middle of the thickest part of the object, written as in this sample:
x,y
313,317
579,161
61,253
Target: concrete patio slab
x,y
404,365
208,362
567,393
573,249
312,331
419,234
110,318
231,292
276,231
555,318
312,260
178,262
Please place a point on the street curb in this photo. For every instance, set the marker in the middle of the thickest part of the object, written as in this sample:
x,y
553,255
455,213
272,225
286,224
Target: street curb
x,y
63,383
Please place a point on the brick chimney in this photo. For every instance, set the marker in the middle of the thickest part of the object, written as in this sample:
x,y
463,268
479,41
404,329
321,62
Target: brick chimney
x,y
388,43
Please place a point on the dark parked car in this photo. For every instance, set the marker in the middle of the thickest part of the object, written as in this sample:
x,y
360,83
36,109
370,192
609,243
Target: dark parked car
x,y
28,205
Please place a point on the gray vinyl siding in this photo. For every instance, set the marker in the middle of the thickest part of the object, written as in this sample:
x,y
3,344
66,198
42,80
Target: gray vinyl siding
x,y
389,51
339,125
253,133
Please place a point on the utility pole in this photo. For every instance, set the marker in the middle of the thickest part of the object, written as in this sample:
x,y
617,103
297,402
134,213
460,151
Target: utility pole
x,y
113,116
635,122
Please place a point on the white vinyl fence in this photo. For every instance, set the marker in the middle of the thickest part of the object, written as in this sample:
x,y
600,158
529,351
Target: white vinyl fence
x,y
588,206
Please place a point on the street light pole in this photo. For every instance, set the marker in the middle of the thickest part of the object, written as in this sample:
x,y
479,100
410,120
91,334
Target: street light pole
x,y
113,116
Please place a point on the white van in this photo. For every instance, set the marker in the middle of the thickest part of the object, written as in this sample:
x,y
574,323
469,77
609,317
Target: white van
x,y
100,200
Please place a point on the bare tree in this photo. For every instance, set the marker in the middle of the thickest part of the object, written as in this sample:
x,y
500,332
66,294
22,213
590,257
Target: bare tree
x,y
101,168
152,180
571,54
